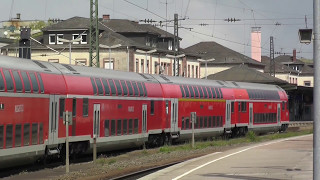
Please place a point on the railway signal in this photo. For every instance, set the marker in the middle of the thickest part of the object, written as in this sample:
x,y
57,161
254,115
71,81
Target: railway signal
x,y
67,120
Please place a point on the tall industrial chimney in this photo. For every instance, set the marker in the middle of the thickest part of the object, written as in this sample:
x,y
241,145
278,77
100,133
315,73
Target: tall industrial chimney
x,y
256,43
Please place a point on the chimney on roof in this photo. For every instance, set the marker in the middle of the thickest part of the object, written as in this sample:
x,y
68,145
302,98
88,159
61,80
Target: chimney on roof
x,y
18,16
294,56
256,43
106,17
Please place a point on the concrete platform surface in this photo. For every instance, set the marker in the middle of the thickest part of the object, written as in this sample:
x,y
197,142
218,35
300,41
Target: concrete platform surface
x,y
289,158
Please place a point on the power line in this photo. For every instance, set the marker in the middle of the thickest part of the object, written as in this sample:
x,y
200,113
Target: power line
x,y
144,9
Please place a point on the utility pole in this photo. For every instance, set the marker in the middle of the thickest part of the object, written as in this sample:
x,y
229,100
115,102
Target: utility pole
x,y
272,63
316,96
94,35
176,46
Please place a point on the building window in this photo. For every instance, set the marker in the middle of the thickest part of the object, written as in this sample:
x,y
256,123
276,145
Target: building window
x,y
84,39
53,60
147,67
81,62
196,71
307,83
142,66
154,42
75,36
148,43
52,39
108,65
170,45
137,65
59,36
192,71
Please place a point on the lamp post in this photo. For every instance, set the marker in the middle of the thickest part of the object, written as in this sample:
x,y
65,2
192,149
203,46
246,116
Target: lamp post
x,y
175,68
70,42
146,53
206,61
110,47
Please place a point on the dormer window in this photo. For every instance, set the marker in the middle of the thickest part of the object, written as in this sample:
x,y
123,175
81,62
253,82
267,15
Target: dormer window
x,y
170,45
58,37
84,39
148,41
52,39
154,42
75,36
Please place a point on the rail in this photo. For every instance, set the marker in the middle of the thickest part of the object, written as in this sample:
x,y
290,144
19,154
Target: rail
x,y
300,123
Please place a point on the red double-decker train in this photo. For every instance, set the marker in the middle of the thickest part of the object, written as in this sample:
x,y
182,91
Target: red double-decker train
x,y
121,109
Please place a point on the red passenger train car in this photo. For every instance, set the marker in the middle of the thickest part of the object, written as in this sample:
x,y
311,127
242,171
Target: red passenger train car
x,y
121,109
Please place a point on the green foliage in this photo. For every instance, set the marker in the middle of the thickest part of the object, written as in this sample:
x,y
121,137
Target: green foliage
x,y
38,25
252,136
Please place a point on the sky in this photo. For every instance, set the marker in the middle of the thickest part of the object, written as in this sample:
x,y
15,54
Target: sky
x,y
278,18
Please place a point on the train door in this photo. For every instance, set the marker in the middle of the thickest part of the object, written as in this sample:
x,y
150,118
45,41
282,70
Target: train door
x,y
228,115
144,118
96,120
250,115
174,115
53,119
278,113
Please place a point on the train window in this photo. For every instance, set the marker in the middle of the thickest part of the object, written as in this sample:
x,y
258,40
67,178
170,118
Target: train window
x,y
61,107
106,87
191,91
125,127
130,126
218,93
99,85
182,91
26,134
106,128
135,87
209,121
244,106
34,136
196,91
232,107
201,122
182,123
186,91
136,126
18,81
85,106
113,127
1,136
41,83
221,121
94,86
1,85
221,95
205,122
112,87
218,121
124,87
196,125
205,92
239,106
214,121
9,80
26,82
140,89
201,92
41,133
130,88
74,107
209,92
34,82
18,135
119,89
9,136
187,123
144,89
213,93
283,105
119,127
152,107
